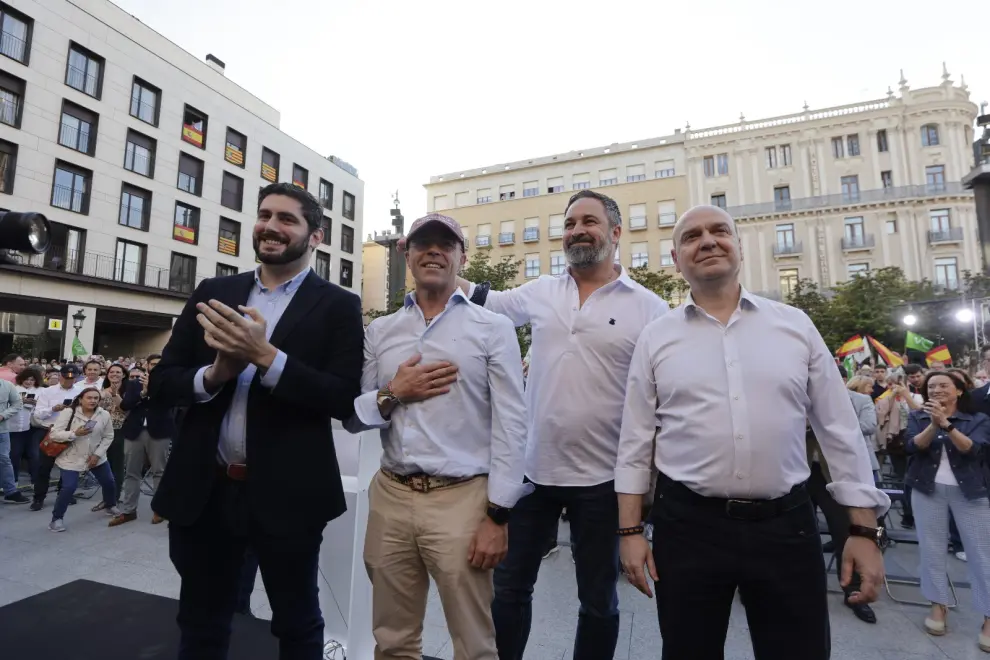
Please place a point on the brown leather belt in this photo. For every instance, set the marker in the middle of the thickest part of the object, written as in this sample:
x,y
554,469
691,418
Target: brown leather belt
x,y
424,483
234,471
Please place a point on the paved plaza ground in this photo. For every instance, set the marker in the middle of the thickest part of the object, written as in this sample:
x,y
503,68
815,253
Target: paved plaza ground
x,y
135,556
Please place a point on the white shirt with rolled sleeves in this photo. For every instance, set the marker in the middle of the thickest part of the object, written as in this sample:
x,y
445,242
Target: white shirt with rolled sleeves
x,y
479,426
577,377
727,407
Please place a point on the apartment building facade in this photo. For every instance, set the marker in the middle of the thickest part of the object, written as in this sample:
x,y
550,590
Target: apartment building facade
x,y
517,209
147,162
827,194
821,194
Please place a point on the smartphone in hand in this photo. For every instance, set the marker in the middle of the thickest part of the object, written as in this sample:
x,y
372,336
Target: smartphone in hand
x,y
66,402
90,425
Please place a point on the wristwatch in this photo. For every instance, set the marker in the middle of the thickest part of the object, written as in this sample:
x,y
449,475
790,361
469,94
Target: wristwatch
x,y
498,514
387,399
949,428
876,534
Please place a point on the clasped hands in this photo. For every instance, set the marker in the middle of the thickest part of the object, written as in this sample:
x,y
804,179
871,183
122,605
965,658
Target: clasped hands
x,y
238,336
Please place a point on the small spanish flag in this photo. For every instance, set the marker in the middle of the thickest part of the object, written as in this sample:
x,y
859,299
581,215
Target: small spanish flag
x,y
854,344
938,354
891,358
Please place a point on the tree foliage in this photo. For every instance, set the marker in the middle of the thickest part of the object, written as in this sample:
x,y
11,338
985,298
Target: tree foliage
x,y
667,286
875,303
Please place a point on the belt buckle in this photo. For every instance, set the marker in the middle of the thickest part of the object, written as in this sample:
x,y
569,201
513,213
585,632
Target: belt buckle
x,y
237,471
743,506
420,482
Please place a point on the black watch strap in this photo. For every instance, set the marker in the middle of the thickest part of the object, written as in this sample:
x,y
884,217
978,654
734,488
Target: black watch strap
x,y
480,294
498,514
876,534
949,428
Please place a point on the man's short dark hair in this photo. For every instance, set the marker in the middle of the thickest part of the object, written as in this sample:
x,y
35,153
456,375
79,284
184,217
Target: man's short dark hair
x,y
911,369
880,366
842,372
7,359
154,356
611,208
311,209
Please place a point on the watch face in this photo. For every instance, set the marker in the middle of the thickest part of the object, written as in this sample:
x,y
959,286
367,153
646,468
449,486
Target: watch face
x,y
882,539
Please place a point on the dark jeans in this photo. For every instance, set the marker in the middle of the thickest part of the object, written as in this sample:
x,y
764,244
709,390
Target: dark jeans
x,y
45,466
249,572
209,557
703,556
70,479
594,516
836,517
115,455
24,444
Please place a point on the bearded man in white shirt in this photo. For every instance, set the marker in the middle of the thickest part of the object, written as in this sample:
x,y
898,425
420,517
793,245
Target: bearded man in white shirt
x,y
731,509
443,380
585,324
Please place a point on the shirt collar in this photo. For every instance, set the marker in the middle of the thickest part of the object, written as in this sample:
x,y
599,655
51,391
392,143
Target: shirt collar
x,y
746,301
285,287
623,277
455,298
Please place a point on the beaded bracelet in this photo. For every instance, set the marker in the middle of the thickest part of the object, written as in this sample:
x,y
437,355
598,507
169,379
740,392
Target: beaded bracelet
x,y
630,531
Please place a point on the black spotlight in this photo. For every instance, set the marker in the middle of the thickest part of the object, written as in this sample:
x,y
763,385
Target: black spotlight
x,y
24,232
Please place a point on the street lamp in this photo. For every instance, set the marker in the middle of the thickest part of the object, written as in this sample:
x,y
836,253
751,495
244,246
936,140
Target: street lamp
x,y
964,315
910,319
77,321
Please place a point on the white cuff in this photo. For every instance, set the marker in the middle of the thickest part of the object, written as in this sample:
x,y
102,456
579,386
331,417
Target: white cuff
x,y
632,481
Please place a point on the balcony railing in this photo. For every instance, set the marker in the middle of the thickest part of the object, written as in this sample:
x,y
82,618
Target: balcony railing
x,y
531,192
949,235
637,222
858,242
555,232
13,46
108,267
531,234
70,199
137,163
873,196
9,109
75,137
788,249
483,241
667,219
507,238
506,196
664,174
86,83
143,110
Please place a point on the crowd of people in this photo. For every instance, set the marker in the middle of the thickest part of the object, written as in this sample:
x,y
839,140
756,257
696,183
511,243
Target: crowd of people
x,y
629,413
96,417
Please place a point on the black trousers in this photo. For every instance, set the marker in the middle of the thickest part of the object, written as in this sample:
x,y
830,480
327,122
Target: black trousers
x,y
703,556
45,466
836,517
209,557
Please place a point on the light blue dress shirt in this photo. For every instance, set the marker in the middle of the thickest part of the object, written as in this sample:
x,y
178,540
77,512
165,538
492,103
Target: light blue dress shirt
x,y
479,427
271,304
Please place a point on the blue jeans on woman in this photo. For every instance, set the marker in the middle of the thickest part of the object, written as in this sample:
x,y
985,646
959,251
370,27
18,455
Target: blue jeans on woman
x,y
25,444
70,481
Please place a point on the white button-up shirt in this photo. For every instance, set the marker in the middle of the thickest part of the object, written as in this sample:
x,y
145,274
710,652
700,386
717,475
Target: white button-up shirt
x,y
479,427
577,376
727,407
49,397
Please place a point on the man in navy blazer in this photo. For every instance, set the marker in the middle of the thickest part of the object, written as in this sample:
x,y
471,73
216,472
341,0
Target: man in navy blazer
x,y
262,361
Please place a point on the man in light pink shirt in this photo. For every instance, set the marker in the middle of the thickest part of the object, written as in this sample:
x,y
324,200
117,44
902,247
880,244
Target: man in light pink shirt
x,y
13,364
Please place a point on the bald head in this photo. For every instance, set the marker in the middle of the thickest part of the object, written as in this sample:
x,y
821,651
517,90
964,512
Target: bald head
x,y
703,213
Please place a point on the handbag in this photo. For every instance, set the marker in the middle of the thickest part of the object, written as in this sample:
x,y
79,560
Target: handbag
x,y
51,448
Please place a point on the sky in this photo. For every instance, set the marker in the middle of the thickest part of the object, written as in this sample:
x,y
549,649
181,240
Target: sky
x,y
405,89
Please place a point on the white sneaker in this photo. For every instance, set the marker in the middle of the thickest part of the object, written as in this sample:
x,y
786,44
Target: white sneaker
x,y
961,556
57,525
112,511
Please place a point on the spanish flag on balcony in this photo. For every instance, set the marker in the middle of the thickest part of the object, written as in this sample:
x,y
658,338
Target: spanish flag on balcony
x,y
938,354
890,358
853,345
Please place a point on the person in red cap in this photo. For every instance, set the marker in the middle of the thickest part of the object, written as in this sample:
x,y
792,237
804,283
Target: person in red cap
x,y
441,503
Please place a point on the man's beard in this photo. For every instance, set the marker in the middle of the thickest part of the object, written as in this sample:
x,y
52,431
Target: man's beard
x,y
292,251
585,255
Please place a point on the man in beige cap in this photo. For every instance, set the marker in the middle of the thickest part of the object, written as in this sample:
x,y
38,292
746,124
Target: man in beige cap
x,y
443,381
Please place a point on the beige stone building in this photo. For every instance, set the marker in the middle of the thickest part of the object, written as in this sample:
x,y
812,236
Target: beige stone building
x,y
826,194
822,194
517,209
374,280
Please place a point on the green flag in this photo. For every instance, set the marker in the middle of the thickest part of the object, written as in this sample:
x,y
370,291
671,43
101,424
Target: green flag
x,y
850,365
917,342
78,350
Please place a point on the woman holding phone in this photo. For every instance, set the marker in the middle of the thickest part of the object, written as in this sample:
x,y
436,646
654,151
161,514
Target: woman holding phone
x,y
88,431
24,438
112,395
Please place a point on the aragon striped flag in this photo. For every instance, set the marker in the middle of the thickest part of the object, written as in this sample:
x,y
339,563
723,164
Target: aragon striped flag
x,y
854,344
891,358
